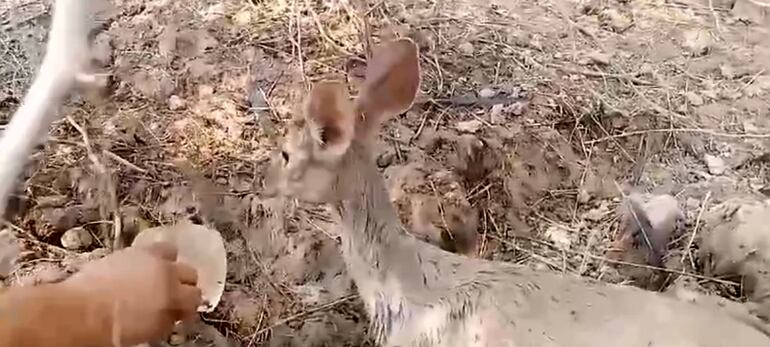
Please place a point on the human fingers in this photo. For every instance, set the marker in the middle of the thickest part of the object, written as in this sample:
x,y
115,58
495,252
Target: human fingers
x,y
164,250
186,274
187,300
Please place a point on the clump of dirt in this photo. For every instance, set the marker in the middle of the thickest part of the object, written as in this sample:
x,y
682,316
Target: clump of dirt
x,y
648,224
738,243
432,199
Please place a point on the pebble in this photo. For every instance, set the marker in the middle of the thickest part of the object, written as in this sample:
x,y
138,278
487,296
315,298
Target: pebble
x,y
176,103
242,17
727,71
386,158
615,20
694,99
559,236
597,214
496,114
76,238
696,42
471,126
466,48
716,165
177,339
487,93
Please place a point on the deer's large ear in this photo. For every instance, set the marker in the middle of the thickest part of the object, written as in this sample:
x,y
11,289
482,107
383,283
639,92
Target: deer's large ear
x,y
391,84
331,117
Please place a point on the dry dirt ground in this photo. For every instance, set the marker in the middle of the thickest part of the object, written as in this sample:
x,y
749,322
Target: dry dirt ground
x,y
537,116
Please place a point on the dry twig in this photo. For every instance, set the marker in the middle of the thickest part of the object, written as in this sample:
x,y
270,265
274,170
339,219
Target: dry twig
x,y
623,77
688,249
106,186
679,130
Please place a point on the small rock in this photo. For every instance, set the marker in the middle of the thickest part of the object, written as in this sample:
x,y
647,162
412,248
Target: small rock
x,y
598,213
76,238
242,18
386,158
518,108
727,71
664,214
694,99
205,91
487,93
176,103
615,20
716,165
471,126
696,42
496,114
559,236
466,48
177,339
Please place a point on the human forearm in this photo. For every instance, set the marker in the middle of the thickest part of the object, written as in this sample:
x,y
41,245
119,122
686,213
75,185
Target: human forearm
x,y
52,315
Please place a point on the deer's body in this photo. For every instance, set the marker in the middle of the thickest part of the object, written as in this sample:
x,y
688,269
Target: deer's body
x,y
419,295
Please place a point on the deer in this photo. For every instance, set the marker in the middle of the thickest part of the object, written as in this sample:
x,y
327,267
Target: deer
x,y
416,294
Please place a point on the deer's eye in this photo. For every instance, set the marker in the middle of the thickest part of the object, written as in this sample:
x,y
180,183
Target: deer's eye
x,y
285,156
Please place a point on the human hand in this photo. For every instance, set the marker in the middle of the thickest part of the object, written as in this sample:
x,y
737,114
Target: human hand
x,y
138,294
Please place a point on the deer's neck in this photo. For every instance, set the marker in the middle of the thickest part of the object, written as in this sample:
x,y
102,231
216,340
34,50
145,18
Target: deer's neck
x,y
376,247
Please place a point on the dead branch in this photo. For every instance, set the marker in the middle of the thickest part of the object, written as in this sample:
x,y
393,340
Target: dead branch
x,y
67,55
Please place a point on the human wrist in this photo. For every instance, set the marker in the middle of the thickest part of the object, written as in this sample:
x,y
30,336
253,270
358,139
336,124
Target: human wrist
x,y
52,314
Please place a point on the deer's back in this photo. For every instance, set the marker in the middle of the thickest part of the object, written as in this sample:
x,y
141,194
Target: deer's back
x,y
484,304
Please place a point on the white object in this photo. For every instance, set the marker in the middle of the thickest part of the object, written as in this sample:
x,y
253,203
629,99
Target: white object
x,y
199,247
